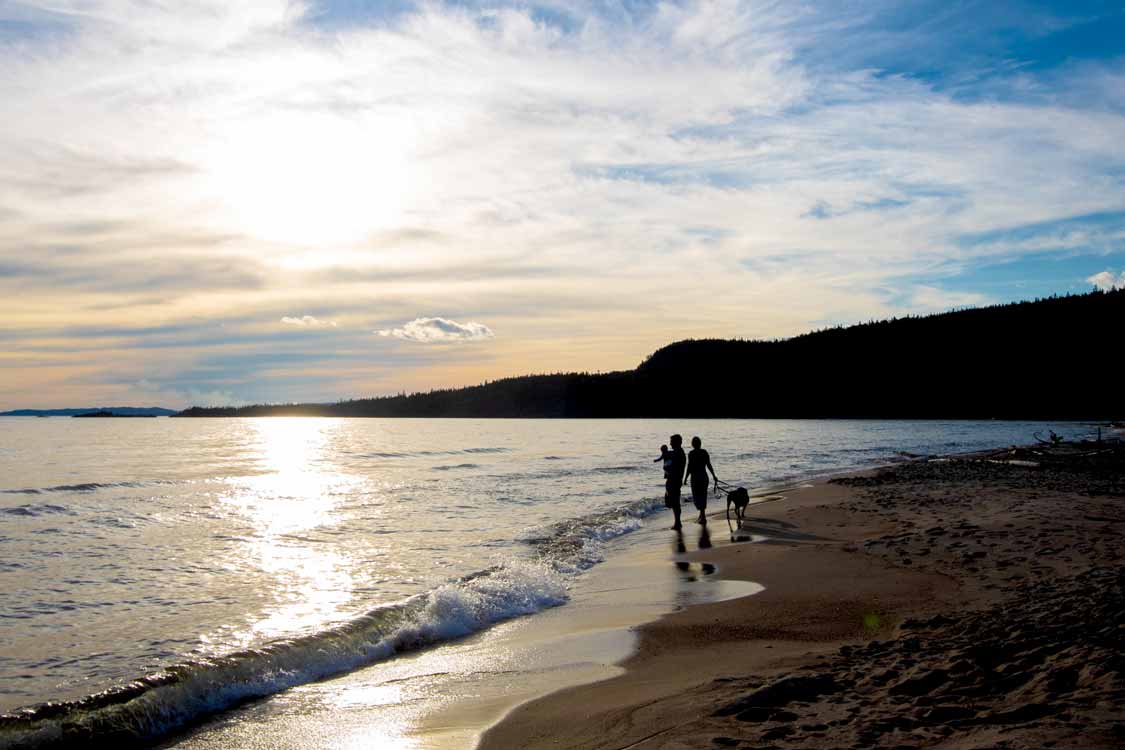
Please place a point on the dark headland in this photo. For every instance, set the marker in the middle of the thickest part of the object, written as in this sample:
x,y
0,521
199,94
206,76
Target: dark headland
x,y
1045,359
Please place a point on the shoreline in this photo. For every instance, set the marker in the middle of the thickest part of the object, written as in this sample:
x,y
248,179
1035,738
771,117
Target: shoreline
x,y
849,568
446,696
622,642
583,642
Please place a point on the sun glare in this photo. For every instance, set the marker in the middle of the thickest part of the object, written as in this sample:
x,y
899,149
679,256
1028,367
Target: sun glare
x,y
312,179
296,494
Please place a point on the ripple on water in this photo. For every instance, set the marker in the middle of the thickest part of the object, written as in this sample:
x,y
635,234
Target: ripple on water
x,y
307,522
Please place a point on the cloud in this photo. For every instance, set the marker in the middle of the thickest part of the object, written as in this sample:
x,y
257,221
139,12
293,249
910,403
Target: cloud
x,y
439,331
308,321
546,165
1106,281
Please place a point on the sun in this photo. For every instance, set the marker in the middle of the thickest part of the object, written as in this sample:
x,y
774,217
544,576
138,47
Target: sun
x,y
312,178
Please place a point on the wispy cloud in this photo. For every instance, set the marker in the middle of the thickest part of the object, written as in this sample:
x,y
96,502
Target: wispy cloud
x,y
439,331
308,321
934,299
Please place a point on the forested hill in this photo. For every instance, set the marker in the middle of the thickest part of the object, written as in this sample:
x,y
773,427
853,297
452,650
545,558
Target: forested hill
x,y
1051,358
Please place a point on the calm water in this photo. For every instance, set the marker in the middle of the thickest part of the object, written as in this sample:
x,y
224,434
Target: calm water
x,y
221,559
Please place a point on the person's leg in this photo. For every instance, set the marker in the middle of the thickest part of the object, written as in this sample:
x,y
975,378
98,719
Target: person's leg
x,y
672,500
699,497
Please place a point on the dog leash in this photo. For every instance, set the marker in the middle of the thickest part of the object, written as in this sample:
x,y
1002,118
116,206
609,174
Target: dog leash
x,y
725,487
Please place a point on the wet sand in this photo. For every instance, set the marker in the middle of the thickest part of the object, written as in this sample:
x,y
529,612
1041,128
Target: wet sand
x,y
444,697
954,604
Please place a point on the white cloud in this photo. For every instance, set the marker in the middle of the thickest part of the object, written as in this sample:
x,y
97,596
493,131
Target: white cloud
x,y
308,321
439,331
1106,281
614,184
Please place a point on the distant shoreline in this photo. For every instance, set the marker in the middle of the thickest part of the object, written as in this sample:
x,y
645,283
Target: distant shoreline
x,y
112,411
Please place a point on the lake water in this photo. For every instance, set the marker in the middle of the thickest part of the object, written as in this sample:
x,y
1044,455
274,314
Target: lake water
x,y
153,570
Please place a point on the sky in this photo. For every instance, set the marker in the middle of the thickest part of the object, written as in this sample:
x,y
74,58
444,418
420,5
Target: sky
x,y
206,202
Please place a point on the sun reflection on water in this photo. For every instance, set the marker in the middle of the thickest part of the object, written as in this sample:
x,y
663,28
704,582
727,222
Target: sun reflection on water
x,y
289,506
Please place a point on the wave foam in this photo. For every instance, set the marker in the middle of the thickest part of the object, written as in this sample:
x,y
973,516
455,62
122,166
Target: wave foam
x,y
140,711
578,544
136,713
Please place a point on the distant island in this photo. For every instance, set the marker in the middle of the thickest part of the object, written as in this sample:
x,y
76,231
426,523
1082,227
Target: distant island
x,y
1044,359
93,411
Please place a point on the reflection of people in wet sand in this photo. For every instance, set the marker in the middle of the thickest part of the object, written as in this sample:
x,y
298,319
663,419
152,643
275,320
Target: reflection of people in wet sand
x,y
698,464
673,477
680,549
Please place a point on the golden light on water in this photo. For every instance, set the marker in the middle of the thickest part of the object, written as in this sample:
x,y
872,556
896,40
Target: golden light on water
x,y
296,497
366,695
387,737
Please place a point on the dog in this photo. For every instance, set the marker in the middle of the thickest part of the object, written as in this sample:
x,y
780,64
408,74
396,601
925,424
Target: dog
x,y
739,498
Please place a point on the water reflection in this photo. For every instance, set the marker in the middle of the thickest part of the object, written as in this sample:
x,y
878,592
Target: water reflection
x,y
295,497
679,547
704,538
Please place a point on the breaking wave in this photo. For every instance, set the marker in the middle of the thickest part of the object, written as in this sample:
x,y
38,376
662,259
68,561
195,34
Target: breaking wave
x,y
578,544
136,713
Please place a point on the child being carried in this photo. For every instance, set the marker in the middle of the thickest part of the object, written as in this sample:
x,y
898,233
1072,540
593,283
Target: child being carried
x,y
666,457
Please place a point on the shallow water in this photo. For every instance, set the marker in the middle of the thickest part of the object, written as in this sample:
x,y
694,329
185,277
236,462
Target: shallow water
x,y
235,558
445,697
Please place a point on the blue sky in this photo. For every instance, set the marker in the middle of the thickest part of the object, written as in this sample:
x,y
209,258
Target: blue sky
x,y
209,202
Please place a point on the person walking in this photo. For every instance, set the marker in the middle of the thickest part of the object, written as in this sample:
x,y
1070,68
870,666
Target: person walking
x,y
674,477
698,464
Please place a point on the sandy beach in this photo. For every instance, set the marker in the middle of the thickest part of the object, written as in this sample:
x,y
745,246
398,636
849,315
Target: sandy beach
x,y
954,603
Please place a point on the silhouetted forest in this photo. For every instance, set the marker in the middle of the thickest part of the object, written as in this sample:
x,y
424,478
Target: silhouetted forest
x,y
1047,359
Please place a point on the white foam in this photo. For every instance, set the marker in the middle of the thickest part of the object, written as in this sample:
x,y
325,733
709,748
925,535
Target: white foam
x,y
447,612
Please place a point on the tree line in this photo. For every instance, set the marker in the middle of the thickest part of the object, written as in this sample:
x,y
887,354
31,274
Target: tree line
x,y
1044,359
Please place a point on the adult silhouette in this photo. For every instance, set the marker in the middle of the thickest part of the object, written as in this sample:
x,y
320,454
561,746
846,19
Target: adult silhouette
x,y
674,478
698,464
